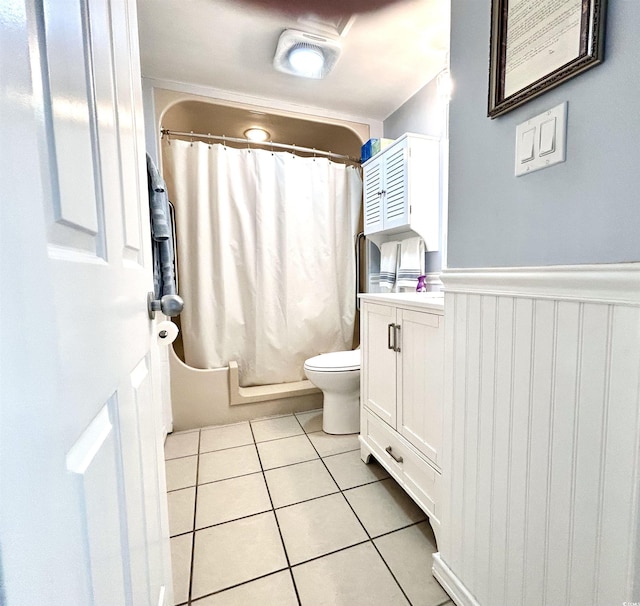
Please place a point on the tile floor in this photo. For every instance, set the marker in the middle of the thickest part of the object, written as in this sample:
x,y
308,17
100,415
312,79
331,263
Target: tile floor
x,y
276,512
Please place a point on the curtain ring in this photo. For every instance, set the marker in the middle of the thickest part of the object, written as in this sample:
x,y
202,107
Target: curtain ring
x,y
191,138
209,136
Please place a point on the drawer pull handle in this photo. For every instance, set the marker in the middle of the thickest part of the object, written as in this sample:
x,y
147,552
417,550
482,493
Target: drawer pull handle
x,y
395,457
390,331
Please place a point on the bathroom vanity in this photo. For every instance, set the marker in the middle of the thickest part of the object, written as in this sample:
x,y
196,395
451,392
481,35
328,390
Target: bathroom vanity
x,y
401,391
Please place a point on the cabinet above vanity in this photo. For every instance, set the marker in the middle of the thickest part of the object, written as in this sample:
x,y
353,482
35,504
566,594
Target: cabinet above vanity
x,y
401,187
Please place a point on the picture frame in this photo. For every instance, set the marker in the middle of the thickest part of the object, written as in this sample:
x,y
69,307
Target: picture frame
x,y
537,45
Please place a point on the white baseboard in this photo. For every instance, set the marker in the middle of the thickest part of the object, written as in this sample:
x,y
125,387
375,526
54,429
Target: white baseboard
x,y
451,583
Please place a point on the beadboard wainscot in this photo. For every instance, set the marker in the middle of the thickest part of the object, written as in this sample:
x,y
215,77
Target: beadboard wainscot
x,y
541,448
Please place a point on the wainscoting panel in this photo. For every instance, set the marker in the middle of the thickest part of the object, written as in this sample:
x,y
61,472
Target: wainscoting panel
x,y
542,436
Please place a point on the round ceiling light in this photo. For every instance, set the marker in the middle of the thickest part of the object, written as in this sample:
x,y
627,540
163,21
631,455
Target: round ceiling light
x,y
306,60
256,133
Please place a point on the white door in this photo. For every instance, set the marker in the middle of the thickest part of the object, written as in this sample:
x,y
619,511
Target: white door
x,y
82,509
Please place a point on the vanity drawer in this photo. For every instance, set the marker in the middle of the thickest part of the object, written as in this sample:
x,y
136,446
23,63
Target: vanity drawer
x,y
422,482
381,437
403,462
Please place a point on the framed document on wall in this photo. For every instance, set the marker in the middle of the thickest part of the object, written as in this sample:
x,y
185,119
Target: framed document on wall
x,y
538,44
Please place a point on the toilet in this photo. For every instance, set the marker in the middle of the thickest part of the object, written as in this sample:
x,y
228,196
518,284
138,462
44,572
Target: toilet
x,y
337,374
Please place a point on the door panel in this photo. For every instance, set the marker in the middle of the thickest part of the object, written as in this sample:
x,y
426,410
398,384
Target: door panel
x,y
372,188
420,388
82,520
379,362
396,208
93,460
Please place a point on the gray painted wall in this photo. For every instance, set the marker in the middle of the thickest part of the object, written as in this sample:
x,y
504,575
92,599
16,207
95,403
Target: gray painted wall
x,y
423,114
586,210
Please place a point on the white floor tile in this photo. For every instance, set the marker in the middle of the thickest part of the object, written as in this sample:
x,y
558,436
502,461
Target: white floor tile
x,y
353,577
274,590
349,470
383,506
311,421
231,499
327,444
181,473
318,527
408,552
273,429
300,482
229,463
182,504
286,451
181,564
225,436
181,444
235,552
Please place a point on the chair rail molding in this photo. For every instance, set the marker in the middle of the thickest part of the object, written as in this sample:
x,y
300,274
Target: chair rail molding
x,y
614,283
541,476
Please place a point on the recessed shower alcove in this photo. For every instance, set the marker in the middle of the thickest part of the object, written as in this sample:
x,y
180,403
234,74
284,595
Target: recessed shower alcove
x,y
208,396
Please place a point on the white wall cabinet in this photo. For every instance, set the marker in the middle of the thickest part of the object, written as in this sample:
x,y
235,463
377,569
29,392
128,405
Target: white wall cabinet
x,y
402,390
402,189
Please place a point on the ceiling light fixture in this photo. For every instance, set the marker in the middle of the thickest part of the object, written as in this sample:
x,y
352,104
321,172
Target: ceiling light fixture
x,y
307,55
306,60
255,133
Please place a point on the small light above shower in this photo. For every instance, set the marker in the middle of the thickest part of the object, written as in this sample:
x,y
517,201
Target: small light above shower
x,y
255,133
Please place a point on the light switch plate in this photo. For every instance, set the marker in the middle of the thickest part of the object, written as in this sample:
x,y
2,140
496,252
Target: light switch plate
x,y
550,130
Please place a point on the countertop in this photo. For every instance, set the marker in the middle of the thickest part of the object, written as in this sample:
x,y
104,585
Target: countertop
x,y
427,300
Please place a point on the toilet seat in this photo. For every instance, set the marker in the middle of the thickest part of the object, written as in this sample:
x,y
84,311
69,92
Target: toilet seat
x,y
336,361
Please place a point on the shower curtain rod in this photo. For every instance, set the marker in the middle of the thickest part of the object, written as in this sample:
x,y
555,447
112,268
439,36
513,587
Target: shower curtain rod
x,y
172,133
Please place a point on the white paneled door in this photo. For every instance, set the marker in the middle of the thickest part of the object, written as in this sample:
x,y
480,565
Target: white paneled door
x,y
82,509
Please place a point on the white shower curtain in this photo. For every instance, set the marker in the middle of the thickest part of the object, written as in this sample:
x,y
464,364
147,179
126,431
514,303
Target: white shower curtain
x,y
265,257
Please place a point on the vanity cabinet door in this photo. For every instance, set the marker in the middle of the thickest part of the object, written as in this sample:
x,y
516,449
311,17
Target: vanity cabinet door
x,y
379,361
420,381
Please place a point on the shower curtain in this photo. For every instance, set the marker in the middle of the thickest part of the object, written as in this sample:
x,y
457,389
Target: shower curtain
x,y
266,264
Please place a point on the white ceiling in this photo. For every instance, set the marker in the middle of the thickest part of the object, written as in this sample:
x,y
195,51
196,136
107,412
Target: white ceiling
x,y
387,55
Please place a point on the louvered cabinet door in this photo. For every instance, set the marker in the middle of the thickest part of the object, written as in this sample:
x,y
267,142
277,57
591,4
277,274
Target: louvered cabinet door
x,y
395,200
372,186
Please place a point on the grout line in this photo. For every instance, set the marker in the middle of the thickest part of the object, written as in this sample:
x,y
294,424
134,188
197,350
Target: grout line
x,y
365,530
193,537
293,435
284,548
223,449
289,567
180,457
329,553
262,576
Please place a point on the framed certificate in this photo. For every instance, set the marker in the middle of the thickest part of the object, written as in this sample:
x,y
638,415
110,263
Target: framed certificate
x,y
538,44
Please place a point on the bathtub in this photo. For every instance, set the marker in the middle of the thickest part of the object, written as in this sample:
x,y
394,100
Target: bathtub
x,y
203,397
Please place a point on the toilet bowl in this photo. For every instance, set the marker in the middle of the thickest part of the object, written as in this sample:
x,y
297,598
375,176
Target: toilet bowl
x,y
337,374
